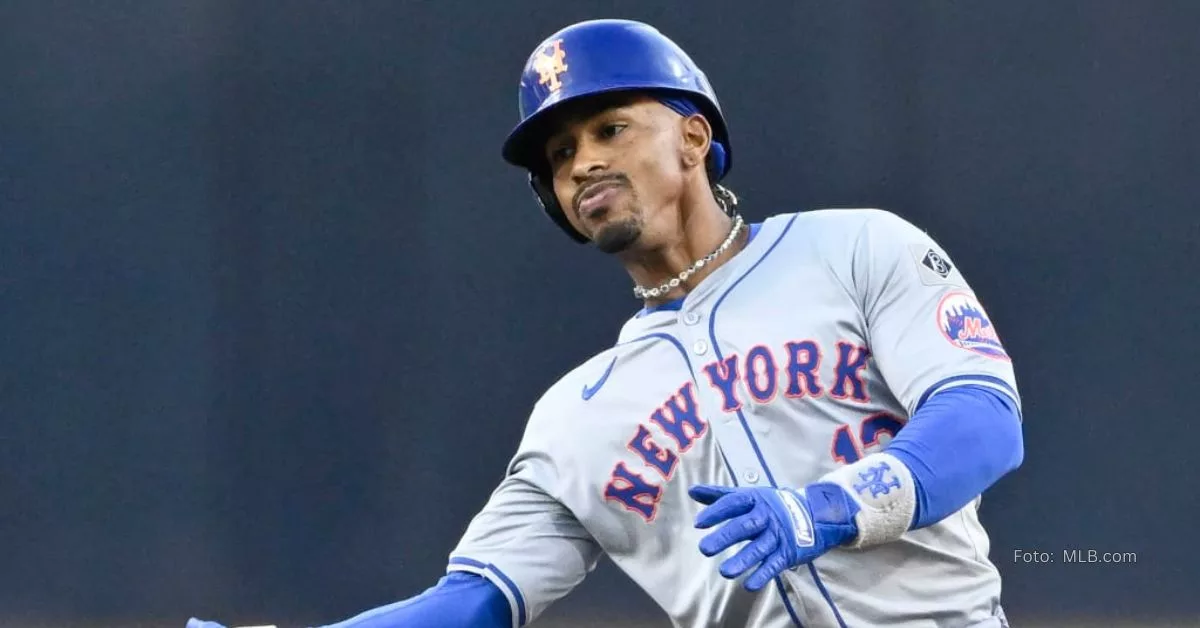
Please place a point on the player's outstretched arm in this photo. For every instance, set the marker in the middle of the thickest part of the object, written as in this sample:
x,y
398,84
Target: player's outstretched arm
x,y
523,551
460,600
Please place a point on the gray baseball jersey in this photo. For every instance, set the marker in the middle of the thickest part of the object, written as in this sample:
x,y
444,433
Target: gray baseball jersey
x,y
807,350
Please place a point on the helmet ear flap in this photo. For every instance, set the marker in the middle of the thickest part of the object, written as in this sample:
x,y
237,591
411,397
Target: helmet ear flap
x,y
718,161
544,193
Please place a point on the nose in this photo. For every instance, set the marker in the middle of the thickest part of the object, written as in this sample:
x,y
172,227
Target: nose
x,y
590,160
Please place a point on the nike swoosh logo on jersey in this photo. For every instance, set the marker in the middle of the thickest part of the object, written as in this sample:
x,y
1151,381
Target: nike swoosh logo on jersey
x,y
590,391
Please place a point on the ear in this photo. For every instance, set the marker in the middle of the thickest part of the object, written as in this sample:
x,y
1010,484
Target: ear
x,y
696,140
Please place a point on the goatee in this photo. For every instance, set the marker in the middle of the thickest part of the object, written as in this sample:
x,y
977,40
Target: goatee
x,y
619,236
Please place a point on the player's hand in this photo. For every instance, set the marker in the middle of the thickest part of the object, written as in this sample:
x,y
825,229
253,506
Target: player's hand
x,y
200,623
785,528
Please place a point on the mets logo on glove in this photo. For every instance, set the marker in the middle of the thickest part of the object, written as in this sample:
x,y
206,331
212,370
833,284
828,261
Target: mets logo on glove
x,y
966,325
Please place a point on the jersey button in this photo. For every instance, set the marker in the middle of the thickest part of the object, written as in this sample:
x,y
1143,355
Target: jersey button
x,y
751,476
691,318
700,347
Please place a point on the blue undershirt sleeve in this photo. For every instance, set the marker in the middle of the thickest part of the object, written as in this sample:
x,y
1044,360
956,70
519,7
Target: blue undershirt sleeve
x,y
460,600
957,444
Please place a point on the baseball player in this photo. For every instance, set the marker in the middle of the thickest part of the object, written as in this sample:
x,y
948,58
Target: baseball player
x,y
795,428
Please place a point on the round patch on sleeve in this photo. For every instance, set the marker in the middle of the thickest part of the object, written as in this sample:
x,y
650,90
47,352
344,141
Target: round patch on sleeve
x,y
966,325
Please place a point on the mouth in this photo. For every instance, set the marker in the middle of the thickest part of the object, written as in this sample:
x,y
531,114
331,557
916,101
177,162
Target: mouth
x,y
597,197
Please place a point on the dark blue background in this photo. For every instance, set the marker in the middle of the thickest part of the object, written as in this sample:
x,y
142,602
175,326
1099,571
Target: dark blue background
x,y
274,311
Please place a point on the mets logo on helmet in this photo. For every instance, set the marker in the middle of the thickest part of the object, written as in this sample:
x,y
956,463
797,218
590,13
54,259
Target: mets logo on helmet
x,y
966,325
549,64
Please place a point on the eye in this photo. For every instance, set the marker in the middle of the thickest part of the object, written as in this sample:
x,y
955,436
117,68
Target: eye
x,y
611,130
560,154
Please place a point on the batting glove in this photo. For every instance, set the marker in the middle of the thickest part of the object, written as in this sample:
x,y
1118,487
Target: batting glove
x,y
785,528
200,623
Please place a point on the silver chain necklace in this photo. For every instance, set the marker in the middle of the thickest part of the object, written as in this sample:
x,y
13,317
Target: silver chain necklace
x,y
669,285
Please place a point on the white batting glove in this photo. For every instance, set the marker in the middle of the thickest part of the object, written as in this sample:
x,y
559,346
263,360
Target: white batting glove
x,y
200,623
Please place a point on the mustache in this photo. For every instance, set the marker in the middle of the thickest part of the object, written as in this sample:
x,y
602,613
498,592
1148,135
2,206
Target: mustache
x,y
615,177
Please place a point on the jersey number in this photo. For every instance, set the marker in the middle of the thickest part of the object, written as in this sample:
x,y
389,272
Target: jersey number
x,y
848,450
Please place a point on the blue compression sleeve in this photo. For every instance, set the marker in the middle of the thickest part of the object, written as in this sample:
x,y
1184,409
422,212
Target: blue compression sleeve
x,y
956,445
460,600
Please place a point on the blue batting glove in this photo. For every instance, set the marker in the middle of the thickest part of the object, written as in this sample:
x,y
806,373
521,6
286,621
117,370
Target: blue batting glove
x,y
786,528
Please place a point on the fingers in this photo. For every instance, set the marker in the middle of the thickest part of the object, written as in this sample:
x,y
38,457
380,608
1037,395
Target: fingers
x,y
751,555
727,507
200,623
773,566
708,493
742,528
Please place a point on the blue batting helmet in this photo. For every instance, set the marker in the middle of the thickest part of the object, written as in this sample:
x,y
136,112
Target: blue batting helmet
x,y
597,57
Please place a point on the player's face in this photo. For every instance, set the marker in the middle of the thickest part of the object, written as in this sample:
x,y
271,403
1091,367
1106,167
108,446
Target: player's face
x,y
617,169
